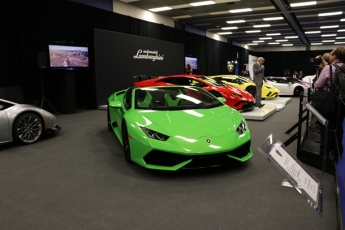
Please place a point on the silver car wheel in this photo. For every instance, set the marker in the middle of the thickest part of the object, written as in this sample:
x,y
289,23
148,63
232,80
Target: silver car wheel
x,y
28,128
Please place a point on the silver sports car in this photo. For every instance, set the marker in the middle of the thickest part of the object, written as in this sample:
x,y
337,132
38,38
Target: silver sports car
x,y
24,124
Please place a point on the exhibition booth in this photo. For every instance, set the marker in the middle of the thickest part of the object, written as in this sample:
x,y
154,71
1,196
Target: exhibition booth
x,y
81,172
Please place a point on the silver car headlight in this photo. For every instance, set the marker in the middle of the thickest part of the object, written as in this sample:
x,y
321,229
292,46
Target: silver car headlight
x,y
241,127
154,135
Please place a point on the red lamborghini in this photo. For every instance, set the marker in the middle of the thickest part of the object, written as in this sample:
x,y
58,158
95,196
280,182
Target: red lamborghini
x,y
235,97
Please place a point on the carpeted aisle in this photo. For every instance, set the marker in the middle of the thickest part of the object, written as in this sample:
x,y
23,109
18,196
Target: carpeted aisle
x,y
78,179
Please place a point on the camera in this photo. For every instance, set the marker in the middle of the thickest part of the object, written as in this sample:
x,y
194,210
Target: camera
x,y
315,61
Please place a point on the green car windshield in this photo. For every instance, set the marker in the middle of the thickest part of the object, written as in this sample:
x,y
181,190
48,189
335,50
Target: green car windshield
x,y
174,98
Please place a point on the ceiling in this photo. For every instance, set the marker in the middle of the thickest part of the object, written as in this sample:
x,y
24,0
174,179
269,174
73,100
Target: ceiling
x,y
292,28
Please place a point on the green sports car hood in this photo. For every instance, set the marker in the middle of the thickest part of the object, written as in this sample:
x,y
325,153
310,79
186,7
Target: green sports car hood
x,y
195,124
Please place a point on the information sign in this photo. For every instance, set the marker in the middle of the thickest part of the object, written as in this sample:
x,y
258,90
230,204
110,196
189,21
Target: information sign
x,y
293,170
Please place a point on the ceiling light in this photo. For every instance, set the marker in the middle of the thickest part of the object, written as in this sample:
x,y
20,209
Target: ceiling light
x,y
326,27
265,38
339,43
253,31
342,20
273,43
328,41
273,18
204,3
263,25
258,41
312,32
287,45
303,4
340,38
223,33
315,44
236,21
274,34
291,37
343,30
252,44
229,28
160,9
330,14
328,35
285,40
240,10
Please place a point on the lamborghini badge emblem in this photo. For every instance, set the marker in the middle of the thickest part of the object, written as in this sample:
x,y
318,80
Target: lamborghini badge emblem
x,y
208,140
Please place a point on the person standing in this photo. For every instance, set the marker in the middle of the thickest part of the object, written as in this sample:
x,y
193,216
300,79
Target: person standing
x,y
300,75
246,74
258,69
336,116
189,69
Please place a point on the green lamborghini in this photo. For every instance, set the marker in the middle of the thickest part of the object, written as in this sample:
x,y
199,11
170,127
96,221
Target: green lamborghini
x,y
174,127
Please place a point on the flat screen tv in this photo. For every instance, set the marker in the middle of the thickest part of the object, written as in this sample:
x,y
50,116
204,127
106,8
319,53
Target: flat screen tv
x,y
192,61
68,56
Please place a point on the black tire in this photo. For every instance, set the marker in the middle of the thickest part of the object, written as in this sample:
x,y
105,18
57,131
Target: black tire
x,y
251,90
297,91
108,120
27,128
125,143
216,94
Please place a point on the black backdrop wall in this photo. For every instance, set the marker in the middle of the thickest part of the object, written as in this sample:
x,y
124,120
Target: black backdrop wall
x,y
28,26
118,59
277,62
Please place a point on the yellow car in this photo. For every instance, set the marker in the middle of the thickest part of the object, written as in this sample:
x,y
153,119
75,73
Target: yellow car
x,y
247,84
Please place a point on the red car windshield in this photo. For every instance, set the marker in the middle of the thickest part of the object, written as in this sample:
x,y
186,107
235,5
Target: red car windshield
x,y
212,81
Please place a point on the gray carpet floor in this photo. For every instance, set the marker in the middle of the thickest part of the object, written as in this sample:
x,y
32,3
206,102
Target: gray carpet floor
x,y
78,179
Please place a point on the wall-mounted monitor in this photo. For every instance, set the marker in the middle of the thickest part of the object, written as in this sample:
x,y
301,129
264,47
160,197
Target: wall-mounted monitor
x,y
192,61
68,56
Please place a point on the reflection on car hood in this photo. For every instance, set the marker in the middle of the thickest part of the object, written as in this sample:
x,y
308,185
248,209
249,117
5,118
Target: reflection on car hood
x,y
237,90
193,123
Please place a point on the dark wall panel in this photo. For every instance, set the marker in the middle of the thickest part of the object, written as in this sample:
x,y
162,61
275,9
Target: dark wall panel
x,y
277,62
195,46
195,30
102,4
119,57
213,56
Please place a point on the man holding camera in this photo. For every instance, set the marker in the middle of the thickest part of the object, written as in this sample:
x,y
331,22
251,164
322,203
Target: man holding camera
x,y
334,116
258,69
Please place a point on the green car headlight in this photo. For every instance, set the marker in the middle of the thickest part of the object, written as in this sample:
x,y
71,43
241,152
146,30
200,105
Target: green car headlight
x,y
241,128
154,135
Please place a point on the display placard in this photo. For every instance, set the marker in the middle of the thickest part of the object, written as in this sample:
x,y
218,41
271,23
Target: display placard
x,y
293,170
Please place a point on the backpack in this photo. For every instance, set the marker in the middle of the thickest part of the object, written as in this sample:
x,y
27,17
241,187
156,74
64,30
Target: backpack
x,y
338,86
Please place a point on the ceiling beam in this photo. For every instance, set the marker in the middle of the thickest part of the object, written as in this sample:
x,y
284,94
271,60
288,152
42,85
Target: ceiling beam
x,y
291,19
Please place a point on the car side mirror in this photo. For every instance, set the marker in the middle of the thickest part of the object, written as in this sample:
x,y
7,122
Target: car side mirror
x,y
221,99
290,83
115,104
